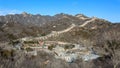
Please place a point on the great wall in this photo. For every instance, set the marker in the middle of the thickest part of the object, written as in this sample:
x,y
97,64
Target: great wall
x,y
59,50
57,33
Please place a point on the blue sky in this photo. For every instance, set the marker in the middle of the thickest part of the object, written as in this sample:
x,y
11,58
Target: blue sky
x,y
107,9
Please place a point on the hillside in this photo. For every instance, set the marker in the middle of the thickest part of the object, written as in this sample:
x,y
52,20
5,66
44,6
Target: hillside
x,y
22,25
62,40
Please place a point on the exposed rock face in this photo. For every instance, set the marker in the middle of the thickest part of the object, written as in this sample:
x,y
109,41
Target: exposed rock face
x,y
19,59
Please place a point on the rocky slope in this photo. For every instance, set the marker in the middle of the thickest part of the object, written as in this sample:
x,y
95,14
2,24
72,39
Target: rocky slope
x,y
21,25
103,36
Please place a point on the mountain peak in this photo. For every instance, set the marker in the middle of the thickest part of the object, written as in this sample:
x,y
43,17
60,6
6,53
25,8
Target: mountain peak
x,y
24,14
81,16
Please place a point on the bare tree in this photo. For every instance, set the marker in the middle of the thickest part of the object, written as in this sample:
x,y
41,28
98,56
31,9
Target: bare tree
x,y
112,46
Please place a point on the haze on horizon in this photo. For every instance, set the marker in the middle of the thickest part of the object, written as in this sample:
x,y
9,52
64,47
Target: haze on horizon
x,y
106,9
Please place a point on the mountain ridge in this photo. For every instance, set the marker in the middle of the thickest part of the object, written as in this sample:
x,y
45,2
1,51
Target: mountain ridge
x,y
25,24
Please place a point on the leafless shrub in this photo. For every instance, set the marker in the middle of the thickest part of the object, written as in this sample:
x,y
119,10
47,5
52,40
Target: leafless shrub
x,y
111,45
